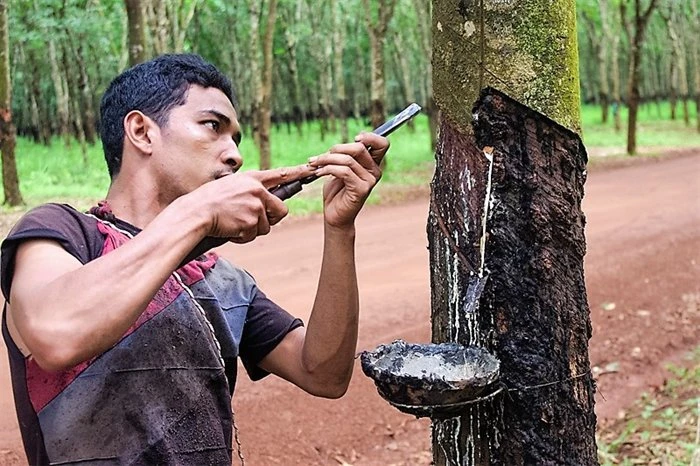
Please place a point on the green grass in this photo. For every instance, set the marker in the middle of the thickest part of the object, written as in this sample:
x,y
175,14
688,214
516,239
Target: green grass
x,y
662,428
654,128
59,173
56,172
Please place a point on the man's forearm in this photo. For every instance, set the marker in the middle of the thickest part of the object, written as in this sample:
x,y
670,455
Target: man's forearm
x,y
84,310
331,335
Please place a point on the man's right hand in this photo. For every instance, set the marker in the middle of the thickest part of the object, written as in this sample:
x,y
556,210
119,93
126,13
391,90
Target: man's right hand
x,y
239,207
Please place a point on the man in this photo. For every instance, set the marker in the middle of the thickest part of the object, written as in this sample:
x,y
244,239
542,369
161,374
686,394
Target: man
x,y
121,351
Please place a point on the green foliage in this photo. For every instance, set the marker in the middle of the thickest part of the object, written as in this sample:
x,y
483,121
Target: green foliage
x,y
662,426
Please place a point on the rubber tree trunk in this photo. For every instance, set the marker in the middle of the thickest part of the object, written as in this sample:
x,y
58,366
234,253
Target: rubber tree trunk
x,y
695,22
506,230
59,86
266,101
137,31
255,65
424,12
341,98
640,20
377,32
10,180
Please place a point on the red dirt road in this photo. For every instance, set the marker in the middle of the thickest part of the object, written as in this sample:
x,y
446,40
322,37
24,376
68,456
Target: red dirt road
x,y
643,281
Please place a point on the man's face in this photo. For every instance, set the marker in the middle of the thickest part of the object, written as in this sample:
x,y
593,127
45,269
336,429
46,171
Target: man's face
x,y
198,143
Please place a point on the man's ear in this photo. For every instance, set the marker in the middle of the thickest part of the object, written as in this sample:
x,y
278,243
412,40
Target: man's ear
x,y
138,131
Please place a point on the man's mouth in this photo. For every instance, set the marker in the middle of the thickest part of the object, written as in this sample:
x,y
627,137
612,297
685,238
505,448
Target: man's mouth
x,y
223,174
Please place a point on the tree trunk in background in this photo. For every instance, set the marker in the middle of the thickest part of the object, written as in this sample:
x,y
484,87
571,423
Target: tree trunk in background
x,y
675,63
86,107
321,52
266,88
505,230
603,54
695,23
74,100
255,65
180,16
137,31
59,87
157,20
615,72
424,11
10,180
675,25
400,53
341,97
43,130
599,49
377,33
636,40
292,19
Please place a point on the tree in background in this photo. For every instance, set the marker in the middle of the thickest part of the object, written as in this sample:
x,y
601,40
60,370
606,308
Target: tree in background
x,y
424,12
137,31
261,64
635,38
377,29
341,97
671,14
167,22
10,181
64,53
695,28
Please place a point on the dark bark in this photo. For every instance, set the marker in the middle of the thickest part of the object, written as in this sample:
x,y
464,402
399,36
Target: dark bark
x,y
533,312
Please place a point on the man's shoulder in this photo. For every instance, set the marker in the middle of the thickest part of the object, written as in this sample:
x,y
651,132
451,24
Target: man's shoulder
x,y
75,231
51,216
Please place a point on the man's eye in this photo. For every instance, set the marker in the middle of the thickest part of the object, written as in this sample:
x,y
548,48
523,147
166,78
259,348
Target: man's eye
x,y
213,124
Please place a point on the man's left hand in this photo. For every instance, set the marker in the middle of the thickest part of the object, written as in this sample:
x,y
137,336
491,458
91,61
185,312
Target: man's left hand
x,y
355,171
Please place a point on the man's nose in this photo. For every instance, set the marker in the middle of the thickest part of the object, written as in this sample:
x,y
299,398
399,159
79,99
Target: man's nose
x,y
232,157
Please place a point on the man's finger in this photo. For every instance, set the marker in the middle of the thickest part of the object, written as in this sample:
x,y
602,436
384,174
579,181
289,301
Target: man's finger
x,y
378,145
277,176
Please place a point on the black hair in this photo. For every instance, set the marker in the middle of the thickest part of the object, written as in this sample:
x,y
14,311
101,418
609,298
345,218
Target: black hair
x,y
154,88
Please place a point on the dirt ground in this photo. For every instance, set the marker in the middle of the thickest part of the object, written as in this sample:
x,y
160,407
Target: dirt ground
x,y
643,281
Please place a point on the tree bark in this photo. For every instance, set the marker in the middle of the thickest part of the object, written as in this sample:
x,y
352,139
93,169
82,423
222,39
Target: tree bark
x,y
137,31
513,282
10,179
